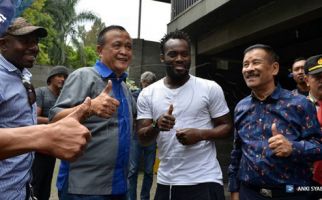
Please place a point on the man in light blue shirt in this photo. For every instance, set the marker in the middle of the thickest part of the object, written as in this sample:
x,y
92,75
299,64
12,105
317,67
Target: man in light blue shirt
x,y
19,49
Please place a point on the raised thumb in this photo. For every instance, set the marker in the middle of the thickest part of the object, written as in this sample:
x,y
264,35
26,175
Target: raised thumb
x,y
82,111
108,87
170,110
274,129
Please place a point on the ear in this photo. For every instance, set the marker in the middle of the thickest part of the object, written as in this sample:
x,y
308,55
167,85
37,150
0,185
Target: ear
x,y
99,49
3,45
306,79
276,68
162,58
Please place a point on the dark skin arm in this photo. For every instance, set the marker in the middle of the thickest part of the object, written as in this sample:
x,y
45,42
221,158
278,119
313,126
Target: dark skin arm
x,y
147,134
188,136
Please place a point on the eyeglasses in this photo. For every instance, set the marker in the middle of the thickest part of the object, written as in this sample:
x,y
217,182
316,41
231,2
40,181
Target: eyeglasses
x,y
30,91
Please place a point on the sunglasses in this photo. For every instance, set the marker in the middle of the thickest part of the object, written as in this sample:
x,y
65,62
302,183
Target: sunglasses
x,y
30,91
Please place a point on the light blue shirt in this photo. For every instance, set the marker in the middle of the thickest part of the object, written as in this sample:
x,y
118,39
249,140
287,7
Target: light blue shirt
x,y
15,111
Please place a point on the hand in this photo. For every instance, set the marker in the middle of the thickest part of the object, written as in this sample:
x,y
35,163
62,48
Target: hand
x,y
188,136
280,146
166,121
67,138
104,105
234,196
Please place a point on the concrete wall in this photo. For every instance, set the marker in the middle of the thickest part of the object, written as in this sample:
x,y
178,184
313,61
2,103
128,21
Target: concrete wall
x,y
40,74
146,57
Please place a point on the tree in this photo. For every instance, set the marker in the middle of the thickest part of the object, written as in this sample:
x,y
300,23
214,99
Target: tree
x,y
90,37
66,21
35,15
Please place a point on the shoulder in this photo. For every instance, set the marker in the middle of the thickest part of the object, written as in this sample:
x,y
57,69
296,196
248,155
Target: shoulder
x,y
84,71
41,90
205,83
243,104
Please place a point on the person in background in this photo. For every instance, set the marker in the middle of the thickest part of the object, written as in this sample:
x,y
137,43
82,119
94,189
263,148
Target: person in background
x,y
19,49
101,172
313,71
43,165
185,115
137,150
299,77
277,135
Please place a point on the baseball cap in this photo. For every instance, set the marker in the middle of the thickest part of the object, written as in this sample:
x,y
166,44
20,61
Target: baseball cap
x,y
313,65
20,26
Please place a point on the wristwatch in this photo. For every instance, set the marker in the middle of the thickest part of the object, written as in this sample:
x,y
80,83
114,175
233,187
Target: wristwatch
x,y
155,125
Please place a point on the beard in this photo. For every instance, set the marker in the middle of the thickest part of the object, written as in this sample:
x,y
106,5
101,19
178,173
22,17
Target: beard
x,y
176,75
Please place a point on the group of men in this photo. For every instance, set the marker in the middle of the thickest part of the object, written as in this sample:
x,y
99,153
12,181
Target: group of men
x,y
277,133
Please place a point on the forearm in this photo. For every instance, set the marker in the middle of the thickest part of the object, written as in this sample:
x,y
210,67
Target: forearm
x,y
221,131
147,135
309,150
63,114
235,157
16,141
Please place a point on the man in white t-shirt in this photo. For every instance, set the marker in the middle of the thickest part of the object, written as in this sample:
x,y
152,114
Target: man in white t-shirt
x,y
185,115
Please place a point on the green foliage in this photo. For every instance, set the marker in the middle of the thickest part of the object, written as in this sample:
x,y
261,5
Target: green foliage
x,y
36,15
131,85
65,43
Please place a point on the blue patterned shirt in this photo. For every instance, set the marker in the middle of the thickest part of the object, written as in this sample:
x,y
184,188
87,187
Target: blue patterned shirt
x,y
253,162
15,111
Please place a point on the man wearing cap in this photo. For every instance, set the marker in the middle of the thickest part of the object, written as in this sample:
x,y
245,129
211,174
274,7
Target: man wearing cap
x,y
19,49
313,70
299,76
46,97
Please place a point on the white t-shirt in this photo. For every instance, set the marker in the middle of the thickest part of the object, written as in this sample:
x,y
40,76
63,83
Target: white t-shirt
x,y
194,105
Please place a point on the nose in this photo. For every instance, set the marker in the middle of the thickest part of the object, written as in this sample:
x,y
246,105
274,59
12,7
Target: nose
x,y
34,47
301,71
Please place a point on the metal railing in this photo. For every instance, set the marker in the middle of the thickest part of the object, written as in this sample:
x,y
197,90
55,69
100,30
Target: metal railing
x,y
178,6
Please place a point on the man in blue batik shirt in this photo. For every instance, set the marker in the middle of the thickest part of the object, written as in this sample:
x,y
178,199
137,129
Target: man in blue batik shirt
x,y
277,135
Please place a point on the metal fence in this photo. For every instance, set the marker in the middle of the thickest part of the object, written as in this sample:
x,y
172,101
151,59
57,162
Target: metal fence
x,y
178,6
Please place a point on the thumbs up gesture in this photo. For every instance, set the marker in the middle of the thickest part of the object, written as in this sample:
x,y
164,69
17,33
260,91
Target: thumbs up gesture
x,y
166,121
67,138
104,105
279,144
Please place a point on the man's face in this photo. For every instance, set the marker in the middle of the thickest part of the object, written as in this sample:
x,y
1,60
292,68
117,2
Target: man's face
x,y
315,83
21,51
298,71
116,52
259,70
58,80
177,58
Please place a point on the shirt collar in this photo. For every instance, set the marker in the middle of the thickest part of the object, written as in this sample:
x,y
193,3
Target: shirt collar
x,y
106,72
312,98
274,96
25,74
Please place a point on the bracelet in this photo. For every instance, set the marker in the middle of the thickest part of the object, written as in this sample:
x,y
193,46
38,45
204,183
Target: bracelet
x,y
155,125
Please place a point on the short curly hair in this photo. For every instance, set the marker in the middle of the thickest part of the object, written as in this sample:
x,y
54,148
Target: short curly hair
x,y
177,34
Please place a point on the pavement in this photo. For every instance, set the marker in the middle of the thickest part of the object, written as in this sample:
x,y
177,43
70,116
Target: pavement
x,y
54,195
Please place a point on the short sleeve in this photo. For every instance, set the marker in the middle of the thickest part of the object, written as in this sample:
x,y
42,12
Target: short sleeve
x,y
144,109
39,97
217,102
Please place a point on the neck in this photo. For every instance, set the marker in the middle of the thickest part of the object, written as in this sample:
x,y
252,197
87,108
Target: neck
x,y
54,90
302,87
262,94
173,83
